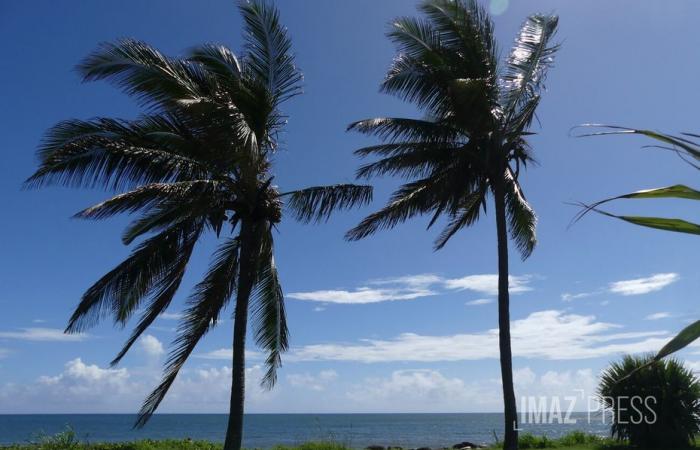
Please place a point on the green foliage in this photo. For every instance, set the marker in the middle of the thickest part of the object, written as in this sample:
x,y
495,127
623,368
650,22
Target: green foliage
x,y
576,440
579,438
671,419
197,160
472,139
527,440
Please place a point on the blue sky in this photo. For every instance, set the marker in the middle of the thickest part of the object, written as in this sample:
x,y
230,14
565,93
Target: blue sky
x,y
384,324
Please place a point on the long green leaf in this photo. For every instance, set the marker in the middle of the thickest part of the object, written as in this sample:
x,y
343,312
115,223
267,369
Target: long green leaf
x,y
675,191
660,223
682,340
682,144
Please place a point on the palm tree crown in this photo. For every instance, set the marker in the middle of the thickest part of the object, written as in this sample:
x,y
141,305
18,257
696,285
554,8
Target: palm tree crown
x,y
471,142
198,160
477,117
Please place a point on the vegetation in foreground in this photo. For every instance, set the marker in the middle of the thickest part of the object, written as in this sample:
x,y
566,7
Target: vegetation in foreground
x,y
67,440
670,419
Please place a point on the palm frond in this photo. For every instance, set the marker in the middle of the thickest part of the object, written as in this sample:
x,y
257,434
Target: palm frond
x,y
467,215
392,130
218,60
417,82
412,161
146,197
162,295
466,30
168,214
109,153
681,145
209,297
318,203
416,39
268,313
411,199
145,73
269,50
526,67
521,217
121,291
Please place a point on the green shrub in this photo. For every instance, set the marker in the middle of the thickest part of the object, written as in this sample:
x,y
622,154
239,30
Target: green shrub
x,y
527,440
670,420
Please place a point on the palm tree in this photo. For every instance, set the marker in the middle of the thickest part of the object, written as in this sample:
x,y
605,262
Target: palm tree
x,y
198,160
472,141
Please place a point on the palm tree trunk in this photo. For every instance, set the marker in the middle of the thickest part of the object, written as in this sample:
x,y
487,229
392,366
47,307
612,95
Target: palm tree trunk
x,y
510,441
250,248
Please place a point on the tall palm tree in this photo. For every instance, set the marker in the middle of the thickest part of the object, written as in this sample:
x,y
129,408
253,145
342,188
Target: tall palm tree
x,y
198,160
471,142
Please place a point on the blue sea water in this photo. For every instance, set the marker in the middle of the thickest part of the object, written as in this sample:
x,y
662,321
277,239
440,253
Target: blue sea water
x,y
267,430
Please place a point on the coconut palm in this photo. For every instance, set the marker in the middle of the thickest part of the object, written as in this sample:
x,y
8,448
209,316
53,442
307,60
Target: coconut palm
x,y
472,142
199,160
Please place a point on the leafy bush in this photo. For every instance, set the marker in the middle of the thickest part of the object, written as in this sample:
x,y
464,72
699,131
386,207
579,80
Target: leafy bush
x,y
656,404
527,440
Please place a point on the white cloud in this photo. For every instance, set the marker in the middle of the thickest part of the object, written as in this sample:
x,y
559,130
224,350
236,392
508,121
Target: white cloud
x,y
88,388
317,382
658,316
416,391
419,280
550,334
636,286
361,295
42,334
170,316
488,284
227,354
429,390
151,346
645,285
524,376
480,301
38,321
391,289
80,387
411,287
319,308
568,297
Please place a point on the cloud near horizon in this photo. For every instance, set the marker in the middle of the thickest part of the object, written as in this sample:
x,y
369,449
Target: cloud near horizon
x,y
82,387
551,334
411,287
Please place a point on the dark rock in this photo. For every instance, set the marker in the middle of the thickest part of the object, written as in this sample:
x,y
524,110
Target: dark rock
x,y
465,445
424,448
374,447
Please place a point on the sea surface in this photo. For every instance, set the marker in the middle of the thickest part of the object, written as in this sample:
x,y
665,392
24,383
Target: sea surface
x,y
267,430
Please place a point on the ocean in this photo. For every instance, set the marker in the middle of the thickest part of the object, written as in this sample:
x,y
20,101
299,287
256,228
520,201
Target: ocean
x,y
267,430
